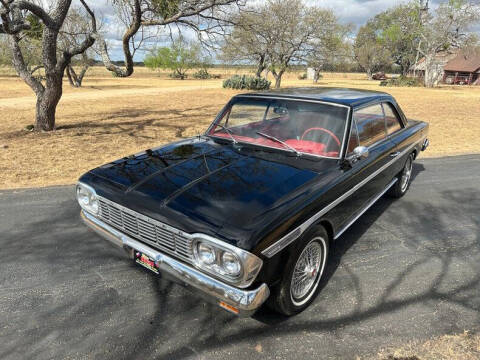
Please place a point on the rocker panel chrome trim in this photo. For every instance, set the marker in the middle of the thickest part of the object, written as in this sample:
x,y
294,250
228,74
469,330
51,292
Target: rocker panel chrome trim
x,y
368,206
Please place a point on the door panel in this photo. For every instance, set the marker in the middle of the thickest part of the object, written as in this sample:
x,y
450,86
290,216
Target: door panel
x,y
369,174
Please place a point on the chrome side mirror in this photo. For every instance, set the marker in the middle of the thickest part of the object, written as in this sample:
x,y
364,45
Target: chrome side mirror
x,y
360,152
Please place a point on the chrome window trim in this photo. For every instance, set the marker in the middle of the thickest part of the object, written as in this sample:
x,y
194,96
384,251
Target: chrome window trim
x,y
299,230
353,123
397,116
342,148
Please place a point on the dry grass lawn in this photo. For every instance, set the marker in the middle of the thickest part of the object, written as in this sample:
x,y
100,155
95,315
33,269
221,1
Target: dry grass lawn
x,y
109,118
448,347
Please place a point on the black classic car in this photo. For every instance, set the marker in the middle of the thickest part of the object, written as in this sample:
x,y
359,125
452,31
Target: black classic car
x,y
246,213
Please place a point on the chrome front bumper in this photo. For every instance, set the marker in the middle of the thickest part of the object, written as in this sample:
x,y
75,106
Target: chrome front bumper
x,y
239,301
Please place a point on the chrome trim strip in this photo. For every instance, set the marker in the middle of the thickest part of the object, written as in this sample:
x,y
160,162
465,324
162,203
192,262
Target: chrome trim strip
x,y
295,233
373,201
246,301
290,98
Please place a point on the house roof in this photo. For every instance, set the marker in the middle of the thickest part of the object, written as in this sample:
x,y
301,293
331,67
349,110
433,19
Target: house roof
x,y
442,57
464,63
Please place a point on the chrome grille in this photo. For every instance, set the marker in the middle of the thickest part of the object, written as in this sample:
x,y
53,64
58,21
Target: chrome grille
x,y
143,228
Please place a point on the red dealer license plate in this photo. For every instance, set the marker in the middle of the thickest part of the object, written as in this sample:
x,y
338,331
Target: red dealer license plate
x,y
145,261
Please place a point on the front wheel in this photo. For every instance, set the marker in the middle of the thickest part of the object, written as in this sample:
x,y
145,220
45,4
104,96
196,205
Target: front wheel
x,y
302,273
404,179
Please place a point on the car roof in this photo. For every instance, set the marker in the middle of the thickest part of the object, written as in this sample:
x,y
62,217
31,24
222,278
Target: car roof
x,y
344,96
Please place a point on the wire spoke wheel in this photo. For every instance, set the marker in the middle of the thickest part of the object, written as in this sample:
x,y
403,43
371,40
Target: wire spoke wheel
x,y
406,174
307,271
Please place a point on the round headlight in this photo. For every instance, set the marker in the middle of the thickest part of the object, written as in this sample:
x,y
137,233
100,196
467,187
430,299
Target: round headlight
x,y
231,264
206,253
87,199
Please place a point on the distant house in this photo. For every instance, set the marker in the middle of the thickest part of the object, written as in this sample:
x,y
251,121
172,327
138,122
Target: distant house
x,y
458,68
463,69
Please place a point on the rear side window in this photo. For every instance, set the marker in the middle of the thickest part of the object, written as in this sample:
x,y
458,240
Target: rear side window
x,y
371,124
391,119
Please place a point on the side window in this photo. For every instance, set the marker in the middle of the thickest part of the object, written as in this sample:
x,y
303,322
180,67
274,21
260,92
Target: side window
x,y
391,119
371,124
353,141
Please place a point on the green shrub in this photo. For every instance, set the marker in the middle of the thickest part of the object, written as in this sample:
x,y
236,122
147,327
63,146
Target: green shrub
x,y
402,81
247,82
202,74
302,76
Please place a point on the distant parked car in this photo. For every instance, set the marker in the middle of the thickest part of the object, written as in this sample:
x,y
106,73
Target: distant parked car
x,y
249,210
379,76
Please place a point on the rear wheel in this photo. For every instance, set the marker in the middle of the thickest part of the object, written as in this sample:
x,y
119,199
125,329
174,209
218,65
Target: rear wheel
x,y
302,274
404,178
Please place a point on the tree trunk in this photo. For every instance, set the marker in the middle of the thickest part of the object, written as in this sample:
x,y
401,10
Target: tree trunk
x,y
46,107
316,75
260,69
278,78
433,71
74,79
261,66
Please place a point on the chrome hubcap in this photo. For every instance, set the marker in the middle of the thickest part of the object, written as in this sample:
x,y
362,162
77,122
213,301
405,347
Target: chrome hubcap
x,y
306,271
406,174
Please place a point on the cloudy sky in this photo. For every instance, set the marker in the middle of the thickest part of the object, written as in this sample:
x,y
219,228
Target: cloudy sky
x,y
348,11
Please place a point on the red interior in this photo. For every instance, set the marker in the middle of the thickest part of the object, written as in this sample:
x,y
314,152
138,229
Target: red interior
x,y
305,146
324,130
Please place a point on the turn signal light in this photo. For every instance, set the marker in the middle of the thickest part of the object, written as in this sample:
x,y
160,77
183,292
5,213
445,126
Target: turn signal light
x,y
229,307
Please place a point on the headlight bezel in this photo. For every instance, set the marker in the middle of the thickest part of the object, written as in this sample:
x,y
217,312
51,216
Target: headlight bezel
x,y
93,205
250,264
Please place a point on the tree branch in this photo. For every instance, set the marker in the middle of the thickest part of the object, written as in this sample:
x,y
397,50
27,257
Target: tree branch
x,y
87,43
21,67
36,10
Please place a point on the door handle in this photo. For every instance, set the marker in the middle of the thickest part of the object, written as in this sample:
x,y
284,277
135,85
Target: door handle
x,y
395,154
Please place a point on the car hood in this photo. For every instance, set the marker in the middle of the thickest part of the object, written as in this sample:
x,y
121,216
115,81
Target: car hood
x,y
198,185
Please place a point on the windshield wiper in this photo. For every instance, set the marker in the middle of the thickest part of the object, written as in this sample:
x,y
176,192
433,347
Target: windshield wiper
x,y
273,138
229,132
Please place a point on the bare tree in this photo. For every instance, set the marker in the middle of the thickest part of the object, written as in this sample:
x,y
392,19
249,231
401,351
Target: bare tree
x,y
290,30
277,33
445,30
247,42
208,17
13,14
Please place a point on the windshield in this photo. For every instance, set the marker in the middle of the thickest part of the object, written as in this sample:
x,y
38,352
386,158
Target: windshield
x,y
291,125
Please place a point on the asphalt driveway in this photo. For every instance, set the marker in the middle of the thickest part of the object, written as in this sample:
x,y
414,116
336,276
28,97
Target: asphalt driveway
x,y
408,269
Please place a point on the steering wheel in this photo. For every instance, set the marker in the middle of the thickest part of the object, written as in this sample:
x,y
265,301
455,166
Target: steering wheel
x,y
325,131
